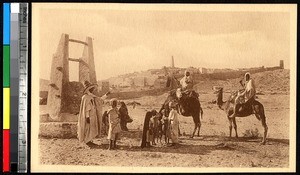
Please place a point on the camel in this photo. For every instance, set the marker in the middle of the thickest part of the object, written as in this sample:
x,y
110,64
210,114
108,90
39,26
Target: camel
x,y
257,109
187,106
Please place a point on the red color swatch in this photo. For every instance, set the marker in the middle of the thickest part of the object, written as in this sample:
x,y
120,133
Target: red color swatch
x,y
6,151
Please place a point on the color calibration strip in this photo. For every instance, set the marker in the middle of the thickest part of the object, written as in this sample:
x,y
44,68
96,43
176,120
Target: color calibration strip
x,y
6,87
14,84
23,88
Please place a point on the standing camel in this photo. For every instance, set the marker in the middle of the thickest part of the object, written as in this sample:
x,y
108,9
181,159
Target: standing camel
x,y
256,108
188,106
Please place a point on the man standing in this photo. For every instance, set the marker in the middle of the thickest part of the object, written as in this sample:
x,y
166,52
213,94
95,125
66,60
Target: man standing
x,y
89,119
248,94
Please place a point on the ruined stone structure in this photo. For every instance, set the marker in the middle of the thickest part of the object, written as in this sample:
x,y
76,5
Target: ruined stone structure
x,y
59,87
281,64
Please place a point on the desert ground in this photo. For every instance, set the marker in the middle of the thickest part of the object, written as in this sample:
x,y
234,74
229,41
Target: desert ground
x,y
213,148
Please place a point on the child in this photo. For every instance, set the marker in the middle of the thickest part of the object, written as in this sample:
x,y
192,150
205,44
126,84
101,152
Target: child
x,y
105,122
153,126
114,125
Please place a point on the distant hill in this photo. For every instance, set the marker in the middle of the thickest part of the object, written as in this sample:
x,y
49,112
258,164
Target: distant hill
x,y
272,81
275,81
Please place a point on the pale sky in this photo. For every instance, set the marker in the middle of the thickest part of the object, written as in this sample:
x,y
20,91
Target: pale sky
x,y
133,40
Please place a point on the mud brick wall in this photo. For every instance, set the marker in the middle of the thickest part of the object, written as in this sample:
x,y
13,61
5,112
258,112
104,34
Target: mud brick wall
x,y
64,130
137,94
231,75
72,98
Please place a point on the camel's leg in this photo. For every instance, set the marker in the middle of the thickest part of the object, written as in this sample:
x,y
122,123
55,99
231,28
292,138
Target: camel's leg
x,y
199,126
260,115
235,128
199,123
166,139
264,124
230,126
195,128
196,119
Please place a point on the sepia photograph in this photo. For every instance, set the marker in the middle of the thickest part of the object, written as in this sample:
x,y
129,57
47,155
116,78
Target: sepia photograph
x,y
163,87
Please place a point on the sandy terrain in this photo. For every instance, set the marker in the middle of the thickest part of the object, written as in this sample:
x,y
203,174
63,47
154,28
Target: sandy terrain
x,y
212,149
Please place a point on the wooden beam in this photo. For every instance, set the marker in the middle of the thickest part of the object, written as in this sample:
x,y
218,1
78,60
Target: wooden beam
x,y
73,59
77,41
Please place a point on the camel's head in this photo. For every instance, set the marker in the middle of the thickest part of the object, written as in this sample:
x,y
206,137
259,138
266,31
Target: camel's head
x,y
219,92
217,89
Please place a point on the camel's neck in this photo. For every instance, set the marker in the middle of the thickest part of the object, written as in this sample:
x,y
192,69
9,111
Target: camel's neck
x,y
221,104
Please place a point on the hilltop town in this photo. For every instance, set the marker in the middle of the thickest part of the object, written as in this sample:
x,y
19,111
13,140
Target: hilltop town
x,y
157,78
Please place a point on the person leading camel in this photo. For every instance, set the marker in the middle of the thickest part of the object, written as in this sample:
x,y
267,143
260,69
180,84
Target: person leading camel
x,y
245,98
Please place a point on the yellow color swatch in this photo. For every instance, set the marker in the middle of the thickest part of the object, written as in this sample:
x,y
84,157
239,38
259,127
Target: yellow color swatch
x,y
6,108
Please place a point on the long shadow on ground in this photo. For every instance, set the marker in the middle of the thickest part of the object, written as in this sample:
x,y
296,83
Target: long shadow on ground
x,y
180,149
270,141
138,134
195,145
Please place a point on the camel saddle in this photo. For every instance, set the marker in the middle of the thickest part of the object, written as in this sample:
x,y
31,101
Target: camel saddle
x,y
190,93
246,107
186,93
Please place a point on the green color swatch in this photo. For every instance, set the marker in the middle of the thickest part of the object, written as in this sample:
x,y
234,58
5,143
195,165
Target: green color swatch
x,y
6,66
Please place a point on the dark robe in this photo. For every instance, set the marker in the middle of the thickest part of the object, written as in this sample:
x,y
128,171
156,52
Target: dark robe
x,y
146,128
123,116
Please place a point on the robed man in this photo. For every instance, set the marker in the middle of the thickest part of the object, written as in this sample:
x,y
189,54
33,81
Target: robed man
x,y
90,114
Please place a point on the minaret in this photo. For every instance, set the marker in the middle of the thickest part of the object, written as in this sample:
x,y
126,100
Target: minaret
x,y
172,62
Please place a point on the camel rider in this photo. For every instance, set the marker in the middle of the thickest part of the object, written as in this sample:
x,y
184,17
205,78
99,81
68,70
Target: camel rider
x,y
248,94
187,84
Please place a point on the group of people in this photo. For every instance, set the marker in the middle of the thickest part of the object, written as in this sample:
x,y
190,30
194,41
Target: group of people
x,y
90,117
156,125
90,114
